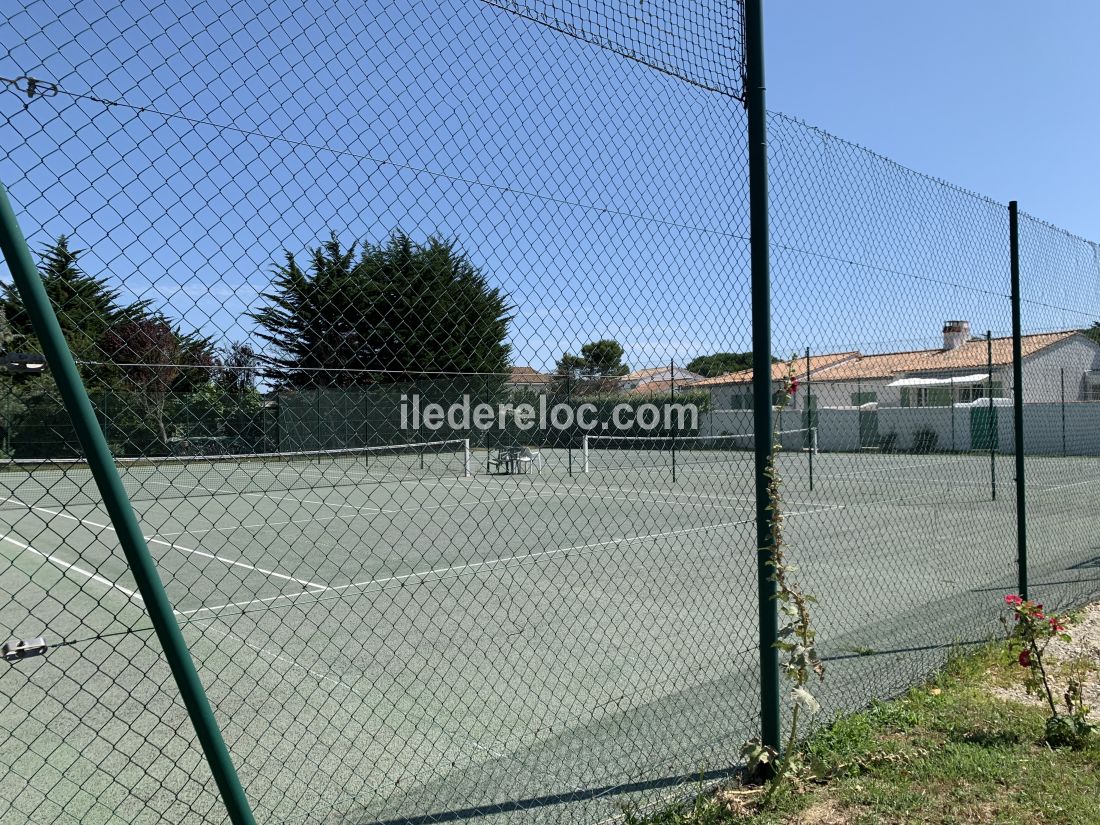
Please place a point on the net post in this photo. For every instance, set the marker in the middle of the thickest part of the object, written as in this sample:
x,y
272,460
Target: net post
x,y
1018,399
584,453
465,458
768,623
29,283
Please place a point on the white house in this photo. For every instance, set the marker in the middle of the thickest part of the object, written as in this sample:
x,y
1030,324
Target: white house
x,y
1056,366
733,391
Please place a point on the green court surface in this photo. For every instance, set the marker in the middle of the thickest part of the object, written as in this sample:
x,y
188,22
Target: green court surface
x,y
406,642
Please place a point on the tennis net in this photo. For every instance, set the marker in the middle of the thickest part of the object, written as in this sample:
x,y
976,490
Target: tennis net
x,y
615,452
69,481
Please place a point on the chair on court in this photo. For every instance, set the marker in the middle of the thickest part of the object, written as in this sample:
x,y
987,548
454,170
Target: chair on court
x,y
493,459
530,457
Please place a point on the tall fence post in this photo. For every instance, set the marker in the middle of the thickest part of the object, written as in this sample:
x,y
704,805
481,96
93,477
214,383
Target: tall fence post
x,y
1018,399
572,430
672,401
859,412
811,431
770,725
992,427
79,406
1062,386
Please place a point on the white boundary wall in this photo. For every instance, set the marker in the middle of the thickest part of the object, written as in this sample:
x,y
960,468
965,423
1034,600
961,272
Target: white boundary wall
x,y
838,429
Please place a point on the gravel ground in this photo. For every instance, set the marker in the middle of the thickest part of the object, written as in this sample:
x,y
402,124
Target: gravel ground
x,y
1084,646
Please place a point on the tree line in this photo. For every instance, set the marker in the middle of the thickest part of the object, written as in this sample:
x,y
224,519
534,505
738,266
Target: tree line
x,y
347,316
338,316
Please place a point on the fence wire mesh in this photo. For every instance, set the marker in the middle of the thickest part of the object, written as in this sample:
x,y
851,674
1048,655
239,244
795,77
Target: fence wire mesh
x,y
420,334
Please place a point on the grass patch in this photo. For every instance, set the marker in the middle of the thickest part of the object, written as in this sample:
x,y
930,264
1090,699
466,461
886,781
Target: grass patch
x,y
947,752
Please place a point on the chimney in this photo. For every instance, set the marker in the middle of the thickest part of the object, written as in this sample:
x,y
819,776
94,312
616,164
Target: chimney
x,y
955,334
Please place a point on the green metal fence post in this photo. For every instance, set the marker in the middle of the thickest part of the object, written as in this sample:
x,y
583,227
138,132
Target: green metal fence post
x,y
1018,399
770,725
951,409
672,401
1062,385
992,427
810,423
9,393
859,410
569,436
75,396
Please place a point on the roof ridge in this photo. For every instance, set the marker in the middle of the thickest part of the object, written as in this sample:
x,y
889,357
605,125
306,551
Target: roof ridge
x,y
972,340
852,360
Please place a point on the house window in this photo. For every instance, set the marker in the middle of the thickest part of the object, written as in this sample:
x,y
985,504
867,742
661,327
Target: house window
x,y
965,395
741,401
1092,386
933,397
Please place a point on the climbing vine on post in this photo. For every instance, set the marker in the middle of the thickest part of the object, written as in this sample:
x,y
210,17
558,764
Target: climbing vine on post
x,y
800,663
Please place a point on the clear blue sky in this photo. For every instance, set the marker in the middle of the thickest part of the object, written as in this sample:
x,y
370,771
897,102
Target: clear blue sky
x,y
997,96
606,199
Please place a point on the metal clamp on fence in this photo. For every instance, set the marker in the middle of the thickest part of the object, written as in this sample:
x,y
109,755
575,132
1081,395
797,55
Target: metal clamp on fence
x,y
16,650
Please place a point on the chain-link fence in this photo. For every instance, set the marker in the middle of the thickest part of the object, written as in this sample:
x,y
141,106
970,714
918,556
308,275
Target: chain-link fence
x,y
421,336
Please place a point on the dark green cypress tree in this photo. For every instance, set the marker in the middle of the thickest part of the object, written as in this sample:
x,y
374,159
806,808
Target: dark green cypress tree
x,y
307,320
395,312
87,307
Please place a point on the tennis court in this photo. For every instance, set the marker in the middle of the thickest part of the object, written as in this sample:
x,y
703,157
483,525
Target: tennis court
x,y
499,631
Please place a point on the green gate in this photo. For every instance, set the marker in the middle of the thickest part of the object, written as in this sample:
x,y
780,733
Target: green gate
x,y
983,428
868,428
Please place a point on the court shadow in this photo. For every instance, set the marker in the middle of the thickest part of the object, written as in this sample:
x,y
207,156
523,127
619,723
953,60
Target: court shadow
x,y
1085,565
515,805
870,653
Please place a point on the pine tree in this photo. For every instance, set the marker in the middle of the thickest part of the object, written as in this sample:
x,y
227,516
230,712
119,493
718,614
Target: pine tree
x,y
596,370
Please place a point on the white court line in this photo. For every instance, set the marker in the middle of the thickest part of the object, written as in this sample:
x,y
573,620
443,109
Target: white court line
x,y
134,596
569,492
68,566
572,491
579,485
885,469
1037,488
325,519
277,656
704,499
174,546
442,572
259,649
332,505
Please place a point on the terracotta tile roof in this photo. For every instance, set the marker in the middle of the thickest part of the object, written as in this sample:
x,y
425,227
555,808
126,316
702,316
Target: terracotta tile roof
x,y
528,375
648,372
780,369
663,387
970,356
850,366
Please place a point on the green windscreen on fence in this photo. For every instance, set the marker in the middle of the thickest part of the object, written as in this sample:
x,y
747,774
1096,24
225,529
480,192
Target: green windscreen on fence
x,y
420,334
